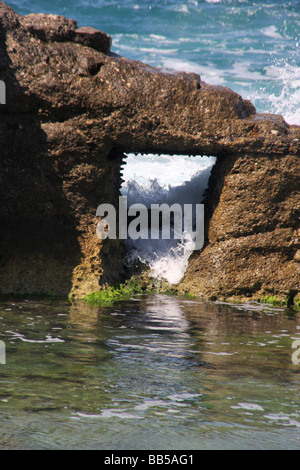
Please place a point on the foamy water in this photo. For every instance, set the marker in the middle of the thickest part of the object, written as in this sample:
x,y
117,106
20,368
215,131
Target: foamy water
x,y
171,179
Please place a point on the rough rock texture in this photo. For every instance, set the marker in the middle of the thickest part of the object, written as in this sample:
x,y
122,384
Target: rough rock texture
x,y
74,109
253,234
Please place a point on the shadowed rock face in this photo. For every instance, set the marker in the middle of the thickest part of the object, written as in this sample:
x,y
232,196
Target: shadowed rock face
x,y
73,109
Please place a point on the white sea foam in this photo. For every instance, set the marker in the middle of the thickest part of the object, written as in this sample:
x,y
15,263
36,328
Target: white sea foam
x,y
170,179
155,50
208,73
284,97
171,263
182,8
272,32
241,70
158,37
168,170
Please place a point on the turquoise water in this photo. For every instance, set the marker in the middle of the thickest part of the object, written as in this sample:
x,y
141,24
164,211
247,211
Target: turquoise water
x,y
250,46
156,372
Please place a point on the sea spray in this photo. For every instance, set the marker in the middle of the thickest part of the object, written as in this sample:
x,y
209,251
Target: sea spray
x,y
281,93
167,259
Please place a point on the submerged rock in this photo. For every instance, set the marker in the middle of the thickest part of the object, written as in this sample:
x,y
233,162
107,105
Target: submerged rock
x,y
73,108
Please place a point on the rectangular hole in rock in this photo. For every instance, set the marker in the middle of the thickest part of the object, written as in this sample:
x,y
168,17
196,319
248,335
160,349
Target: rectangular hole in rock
x,y
156,179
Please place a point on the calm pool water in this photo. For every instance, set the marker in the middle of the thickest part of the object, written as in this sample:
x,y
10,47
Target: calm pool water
x,y
156,372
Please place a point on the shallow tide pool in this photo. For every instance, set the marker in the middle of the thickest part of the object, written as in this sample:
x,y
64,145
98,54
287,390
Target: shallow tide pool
x,y
156,372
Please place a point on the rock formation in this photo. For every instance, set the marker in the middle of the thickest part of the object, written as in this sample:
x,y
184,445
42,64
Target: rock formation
x,y
73,109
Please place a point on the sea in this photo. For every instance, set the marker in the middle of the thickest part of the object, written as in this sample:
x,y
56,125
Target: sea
x,y
160,371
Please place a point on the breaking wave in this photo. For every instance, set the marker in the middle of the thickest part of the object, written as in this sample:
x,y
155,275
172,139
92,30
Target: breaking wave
x,y
170,179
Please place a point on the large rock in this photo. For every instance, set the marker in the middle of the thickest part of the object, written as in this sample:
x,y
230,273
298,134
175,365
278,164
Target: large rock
x,y
253,233
72,112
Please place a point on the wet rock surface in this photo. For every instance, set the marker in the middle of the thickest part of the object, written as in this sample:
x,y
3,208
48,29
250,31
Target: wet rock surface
x,y
73,109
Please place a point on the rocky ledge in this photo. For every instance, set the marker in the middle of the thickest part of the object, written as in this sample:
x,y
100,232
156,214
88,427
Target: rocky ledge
x,y
73,109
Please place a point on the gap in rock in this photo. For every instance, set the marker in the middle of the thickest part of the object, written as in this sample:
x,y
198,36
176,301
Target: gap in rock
x,y
157,179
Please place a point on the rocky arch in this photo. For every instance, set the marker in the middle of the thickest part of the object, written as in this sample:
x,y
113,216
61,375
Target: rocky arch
x,y
73,107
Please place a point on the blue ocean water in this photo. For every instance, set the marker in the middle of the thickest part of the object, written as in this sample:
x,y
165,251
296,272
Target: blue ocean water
x,y
250,46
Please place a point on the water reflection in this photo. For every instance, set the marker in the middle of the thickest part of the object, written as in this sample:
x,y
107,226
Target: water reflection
x,y
153,372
